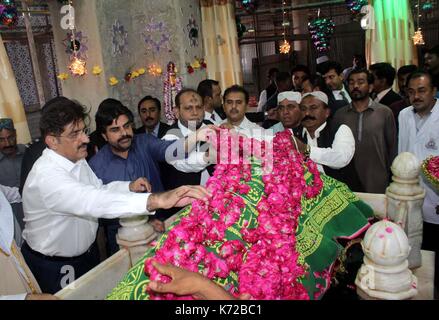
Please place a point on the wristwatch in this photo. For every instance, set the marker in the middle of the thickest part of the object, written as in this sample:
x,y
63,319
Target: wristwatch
x,y
307,151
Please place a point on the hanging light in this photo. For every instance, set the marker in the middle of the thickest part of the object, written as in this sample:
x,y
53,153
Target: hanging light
x,y
418,38
285,47
77,66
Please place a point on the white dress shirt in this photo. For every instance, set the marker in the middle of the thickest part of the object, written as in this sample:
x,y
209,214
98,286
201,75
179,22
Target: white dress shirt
x,y
62,202
11,193
6,225
423,143
382,94
262,101
278,127
338,96
252,130
6,238
341,152
195,161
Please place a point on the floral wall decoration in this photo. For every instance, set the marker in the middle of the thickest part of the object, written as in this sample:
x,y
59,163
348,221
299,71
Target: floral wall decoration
x,y
197,64
119,39
156,36
193,31
77,47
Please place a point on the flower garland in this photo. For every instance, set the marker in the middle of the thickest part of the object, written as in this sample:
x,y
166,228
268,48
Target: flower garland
x,y
430,169
267,265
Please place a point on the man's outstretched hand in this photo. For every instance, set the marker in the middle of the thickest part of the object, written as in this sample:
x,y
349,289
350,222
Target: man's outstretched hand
x,y
186,282
179,197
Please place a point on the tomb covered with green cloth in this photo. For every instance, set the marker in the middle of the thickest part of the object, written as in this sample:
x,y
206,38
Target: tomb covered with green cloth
x,y
336,213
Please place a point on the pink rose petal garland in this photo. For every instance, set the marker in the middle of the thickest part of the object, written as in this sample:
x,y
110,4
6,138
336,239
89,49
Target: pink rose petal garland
x,y
267,264
430,169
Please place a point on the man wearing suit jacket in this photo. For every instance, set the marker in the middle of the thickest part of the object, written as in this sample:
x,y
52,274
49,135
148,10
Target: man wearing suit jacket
x,y
191,116
338,96
384,75
149,111
210,92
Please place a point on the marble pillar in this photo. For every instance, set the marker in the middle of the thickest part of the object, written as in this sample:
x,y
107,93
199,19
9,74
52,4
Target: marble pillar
x,y
405,197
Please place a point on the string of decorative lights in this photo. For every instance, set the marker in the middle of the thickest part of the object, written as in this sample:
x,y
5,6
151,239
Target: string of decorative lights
x,y
418,38
77,66
285,47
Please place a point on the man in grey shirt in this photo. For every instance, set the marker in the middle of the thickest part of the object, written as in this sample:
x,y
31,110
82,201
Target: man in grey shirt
x,y
374,129
11,156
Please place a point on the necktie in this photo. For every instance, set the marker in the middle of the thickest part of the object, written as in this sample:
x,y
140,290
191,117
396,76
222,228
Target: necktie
x,y
213,117
343,95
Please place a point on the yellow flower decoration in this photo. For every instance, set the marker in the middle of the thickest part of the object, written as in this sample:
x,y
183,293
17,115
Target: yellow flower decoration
x,y
63,76
196,64
134,74
141,71
113,81
97,70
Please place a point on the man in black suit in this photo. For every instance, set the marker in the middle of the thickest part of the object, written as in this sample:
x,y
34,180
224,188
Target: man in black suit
x,y
149,111
191,116
210,92
338,96
384,75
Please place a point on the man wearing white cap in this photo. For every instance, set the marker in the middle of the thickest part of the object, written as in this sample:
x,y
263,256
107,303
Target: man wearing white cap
x,y
288,108
332,148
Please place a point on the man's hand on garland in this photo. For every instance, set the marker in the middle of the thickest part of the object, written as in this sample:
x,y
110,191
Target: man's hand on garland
x,y
186,282
179,197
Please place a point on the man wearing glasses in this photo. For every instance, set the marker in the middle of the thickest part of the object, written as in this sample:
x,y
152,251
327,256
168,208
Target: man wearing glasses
x,y
63,199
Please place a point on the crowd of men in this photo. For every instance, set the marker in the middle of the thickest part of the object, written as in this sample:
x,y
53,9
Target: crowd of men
x,y
349,121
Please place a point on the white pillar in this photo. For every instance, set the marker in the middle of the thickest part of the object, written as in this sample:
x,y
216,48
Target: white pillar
x,y
385,273
135,235
404,206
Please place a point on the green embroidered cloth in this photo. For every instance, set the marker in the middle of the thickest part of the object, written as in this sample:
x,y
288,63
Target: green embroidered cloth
x,y
336,212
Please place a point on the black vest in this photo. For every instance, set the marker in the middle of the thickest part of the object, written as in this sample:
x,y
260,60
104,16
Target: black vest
x,y
171,177
347,174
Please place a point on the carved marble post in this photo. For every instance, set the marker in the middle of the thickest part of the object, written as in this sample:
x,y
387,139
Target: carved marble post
x,y
404,206
385,273
135,235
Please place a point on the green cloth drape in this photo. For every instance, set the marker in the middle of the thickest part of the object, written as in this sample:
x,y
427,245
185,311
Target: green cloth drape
x,y
335,213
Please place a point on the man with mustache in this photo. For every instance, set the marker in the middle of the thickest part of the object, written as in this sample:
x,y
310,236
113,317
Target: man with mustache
x,y
419,135
63,199
374,130
331,147
149,109
290,115
235,106
11,158
127,157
